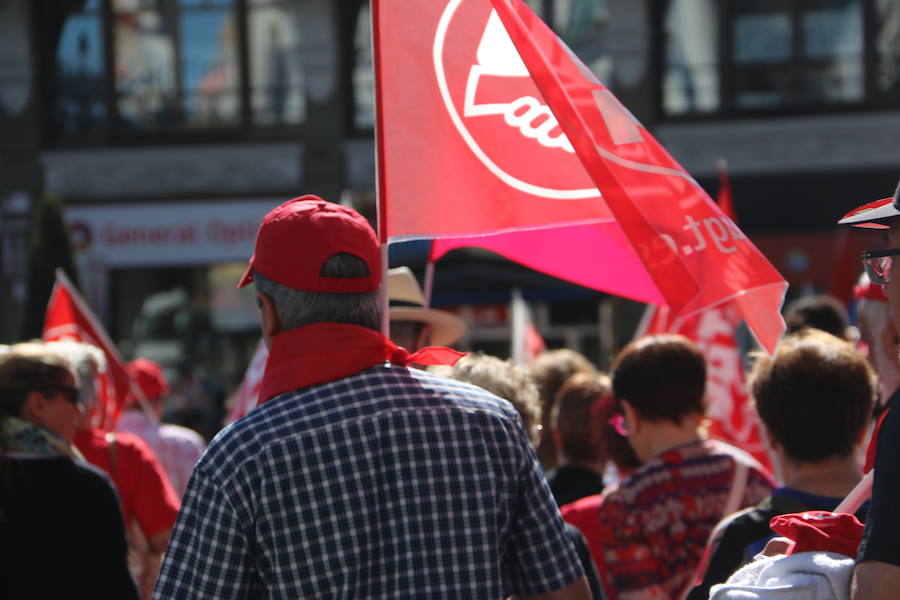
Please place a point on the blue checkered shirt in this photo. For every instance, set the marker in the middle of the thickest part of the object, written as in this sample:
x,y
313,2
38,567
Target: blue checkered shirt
x,y
391,483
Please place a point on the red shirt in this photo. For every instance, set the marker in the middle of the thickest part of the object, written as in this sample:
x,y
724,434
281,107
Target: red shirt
x,y
144,488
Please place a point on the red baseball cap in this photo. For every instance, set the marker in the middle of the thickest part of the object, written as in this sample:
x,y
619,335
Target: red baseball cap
x,y
149,377
874,214
295,239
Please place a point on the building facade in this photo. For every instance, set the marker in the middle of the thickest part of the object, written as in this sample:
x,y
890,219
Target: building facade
x,y
169,127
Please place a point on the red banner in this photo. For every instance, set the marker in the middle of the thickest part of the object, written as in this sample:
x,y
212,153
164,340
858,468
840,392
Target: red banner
x,y
247,396
69,317
488,123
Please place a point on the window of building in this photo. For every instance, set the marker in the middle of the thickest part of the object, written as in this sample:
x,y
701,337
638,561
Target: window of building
x,y
171,67
794,54
887,49
78,103
278,90
748,56
363,78
690,81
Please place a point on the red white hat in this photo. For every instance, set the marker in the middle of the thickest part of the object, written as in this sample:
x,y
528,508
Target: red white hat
x,y
874,214
295,239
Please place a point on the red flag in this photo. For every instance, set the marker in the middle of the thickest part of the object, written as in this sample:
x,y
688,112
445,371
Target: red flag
x,y
69,317
728,407
247,396
526,137
724,199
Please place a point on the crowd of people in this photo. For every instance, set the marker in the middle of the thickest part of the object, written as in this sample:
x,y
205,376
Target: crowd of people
x,y
388,467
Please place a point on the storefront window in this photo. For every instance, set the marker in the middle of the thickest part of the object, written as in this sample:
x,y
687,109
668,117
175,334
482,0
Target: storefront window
x,y
144,68
691,66
80,72
174,65
208,62
887,47
363,79
276,74
788,54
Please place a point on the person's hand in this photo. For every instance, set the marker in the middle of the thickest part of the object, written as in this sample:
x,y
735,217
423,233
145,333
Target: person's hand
x,y
776,546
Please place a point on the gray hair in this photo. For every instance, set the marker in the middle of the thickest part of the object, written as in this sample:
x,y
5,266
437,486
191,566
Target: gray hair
x,y
297,308
86,361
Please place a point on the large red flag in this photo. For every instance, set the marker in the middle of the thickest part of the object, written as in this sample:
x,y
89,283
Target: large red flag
x,y
730,412
488,123
69,317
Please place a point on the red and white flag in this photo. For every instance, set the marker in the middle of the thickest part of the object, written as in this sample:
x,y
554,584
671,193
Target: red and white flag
x,y
731,414
247,396
487,123
69,317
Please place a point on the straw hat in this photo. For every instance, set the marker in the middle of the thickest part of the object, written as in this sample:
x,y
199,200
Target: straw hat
x,y
407,303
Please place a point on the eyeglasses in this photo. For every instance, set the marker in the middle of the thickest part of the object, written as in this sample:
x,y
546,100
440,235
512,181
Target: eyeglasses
x,y
70,393
878,264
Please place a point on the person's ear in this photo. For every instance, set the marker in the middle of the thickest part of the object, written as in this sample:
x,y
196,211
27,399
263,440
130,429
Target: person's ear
x,y
633,421
268,316
34,407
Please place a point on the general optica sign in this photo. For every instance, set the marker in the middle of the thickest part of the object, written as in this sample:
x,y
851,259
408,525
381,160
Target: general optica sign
x,y
167,233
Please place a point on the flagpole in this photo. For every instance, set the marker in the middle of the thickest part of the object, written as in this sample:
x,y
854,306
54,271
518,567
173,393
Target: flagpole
x,y
517,339
428,284
380,182
383,296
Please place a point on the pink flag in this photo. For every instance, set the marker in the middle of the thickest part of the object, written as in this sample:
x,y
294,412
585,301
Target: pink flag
x,y
488,123
571,253
247,396
69,317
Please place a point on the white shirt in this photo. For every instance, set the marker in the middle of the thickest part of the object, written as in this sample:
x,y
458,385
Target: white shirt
x,y
177,448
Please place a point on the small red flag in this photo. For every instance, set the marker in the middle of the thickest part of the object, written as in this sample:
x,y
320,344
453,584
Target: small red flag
x,y
69,317
247,396
724,199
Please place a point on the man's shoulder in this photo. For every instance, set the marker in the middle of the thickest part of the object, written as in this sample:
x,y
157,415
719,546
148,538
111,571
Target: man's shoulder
x,y
367,394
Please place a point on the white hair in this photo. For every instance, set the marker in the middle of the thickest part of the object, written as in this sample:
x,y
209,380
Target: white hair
x,y
86,361
877,329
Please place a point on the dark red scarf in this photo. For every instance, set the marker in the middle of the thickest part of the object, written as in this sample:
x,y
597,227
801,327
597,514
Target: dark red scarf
x,y
325,352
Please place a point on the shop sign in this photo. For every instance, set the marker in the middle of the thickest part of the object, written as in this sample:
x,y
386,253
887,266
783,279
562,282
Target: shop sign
x,y
167,233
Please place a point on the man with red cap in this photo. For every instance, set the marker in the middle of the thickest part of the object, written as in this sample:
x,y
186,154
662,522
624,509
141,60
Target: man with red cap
x,y
877,573
178,448
357,476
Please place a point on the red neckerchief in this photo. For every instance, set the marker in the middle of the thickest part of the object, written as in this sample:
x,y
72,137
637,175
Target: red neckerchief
x,y
325,352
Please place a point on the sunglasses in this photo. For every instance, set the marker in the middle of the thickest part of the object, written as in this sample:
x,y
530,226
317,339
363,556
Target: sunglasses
x,y
878,264
69,393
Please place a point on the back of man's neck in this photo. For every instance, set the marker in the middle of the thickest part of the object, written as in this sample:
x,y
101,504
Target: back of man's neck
x,y
832,478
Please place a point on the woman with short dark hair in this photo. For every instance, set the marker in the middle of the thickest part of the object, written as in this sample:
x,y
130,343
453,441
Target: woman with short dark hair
x,y
653,527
